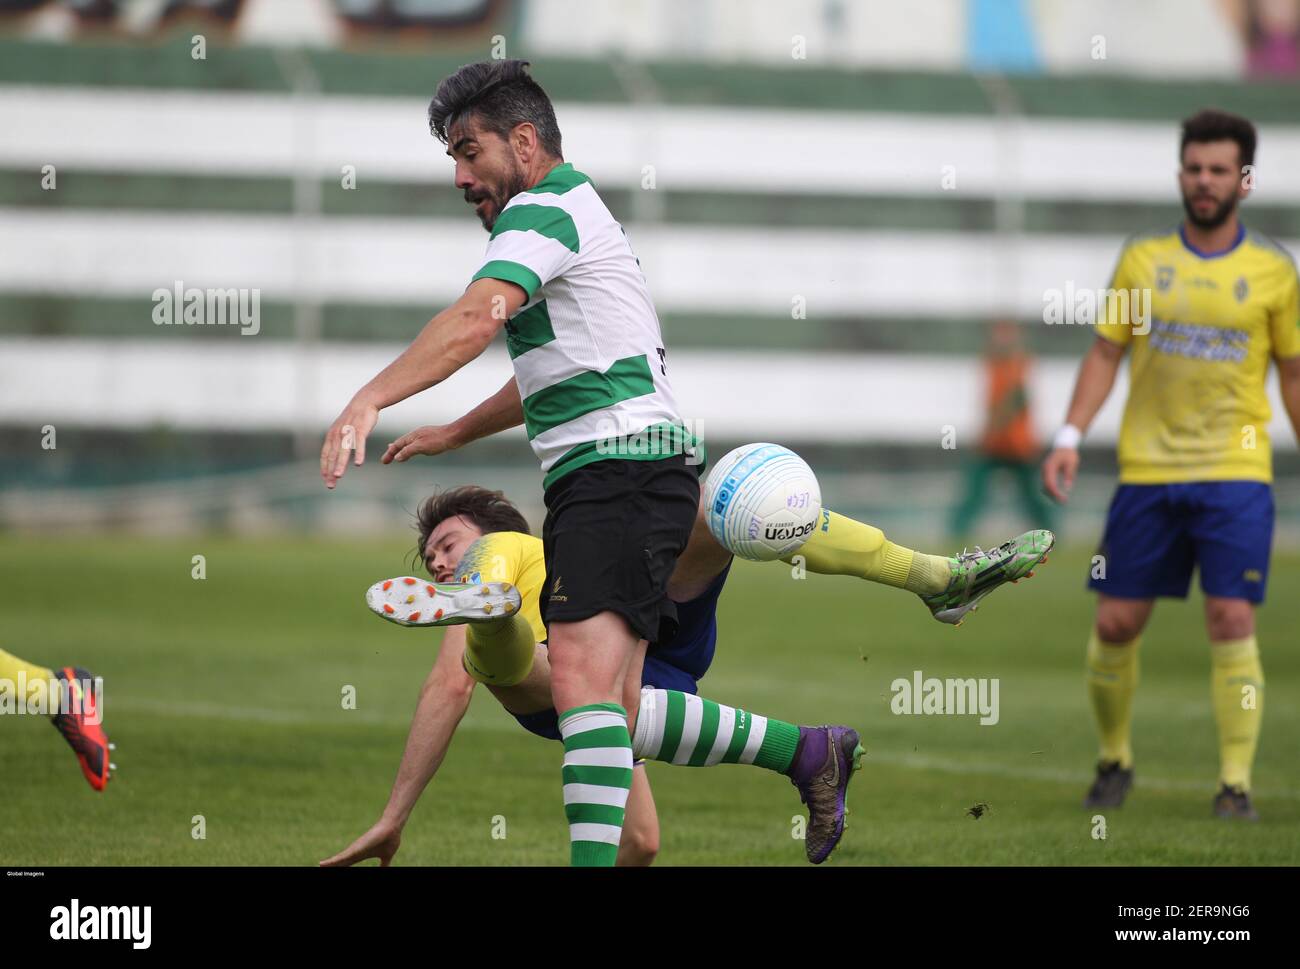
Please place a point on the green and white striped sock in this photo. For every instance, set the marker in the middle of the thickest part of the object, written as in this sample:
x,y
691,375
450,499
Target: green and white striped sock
x,y
681,728
597,776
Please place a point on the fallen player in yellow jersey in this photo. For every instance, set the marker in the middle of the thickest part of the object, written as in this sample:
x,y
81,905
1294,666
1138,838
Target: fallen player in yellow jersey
x,y
475,537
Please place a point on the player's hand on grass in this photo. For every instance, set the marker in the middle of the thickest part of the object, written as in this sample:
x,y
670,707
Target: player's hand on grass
x,y
429,440
1059,471
381,841
347,435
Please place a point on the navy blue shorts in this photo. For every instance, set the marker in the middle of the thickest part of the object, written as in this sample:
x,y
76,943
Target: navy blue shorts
x,y
1156,534
678,664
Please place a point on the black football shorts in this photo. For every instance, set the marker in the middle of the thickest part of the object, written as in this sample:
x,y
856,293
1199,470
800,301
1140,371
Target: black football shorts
x,y
613,532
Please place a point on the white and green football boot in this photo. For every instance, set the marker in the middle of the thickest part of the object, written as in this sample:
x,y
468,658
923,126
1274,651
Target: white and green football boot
x,y
976,574
408,601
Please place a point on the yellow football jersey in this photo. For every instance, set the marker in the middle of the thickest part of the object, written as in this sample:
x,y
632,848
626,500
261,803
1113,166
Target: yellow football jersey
x,y
1196,409
509,557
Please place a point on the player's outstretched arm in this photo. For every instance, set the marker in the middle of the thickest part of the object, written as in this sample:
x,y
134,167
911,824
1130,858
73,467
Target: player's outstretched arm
x,y
448,341
443,701
500,412
1091,388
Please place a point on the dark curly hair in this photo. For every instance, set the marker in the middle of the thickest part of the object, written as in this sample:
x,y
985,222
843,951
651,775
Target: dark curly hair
x,y
499,95
488,511
1214,125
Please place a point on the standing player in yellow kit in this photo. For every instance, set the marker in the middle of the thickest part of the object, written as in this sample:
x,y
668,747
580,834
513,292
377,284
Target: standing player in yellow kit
x,y
1194,457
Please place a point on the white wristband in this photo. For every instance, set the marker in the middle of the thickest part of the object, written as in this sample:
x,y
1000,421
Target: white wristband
x,y
1068,436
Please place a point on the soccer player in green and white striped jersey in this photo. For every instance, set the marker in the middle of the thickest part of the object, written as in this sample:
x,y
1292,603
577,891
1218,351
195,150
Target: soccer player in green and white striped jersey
x,y
588,358
590,369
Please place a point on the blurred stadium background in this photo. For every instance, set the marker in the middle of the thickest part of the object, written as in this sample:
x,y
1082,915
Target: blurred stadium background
x,y
831,201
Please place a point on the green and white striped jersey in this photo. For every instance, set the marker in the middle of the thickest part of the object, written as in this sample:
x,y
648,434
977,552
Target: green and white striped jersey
x,y
587,349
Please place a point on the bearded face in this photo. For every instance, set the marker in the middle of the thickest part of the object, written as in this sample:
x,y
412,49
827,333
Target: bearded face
x,y
487,171
1211,182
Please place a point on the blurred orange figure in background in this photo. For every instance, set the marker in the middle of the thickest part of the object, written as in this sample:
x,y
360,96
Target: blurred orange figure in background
x,y
1008,442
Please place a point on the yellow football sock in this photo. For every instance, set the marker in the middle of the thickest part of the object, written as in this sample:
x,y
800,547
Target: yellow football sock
x,y
1237,688
11,666
842,546
500,653
1112,678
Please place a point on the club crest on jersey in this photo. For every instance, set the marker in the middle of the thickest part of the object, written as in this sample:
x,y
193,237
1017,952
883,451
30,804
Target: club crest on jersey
x,y
1164,278
1240,289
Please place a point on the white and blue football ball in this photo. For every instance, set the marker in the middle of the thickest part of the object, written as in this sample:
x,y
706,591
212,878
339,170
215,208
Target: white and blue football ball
x,y
762,501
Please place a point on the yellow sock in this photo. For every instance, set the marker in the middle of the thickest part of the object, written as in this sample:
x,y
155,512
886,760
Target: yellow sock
x,y
1112,678
1237,688
500,653
842,546
11,666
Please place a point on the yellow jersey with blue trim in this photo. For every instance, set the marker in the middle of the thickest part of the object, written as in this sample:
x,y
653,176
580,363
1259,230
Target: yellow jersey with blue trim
x,y
1201,328
513,557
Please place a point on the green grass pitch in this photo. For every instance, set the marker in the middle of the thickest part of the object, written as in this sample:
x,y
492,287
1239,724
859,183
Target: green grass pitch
x,y
224,699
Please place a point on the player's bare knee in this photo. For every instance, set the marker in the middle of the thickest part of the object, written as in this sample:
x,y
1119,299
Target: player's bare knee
x,y
589,658
648,848
1229,618
1118,625
570,685
639,846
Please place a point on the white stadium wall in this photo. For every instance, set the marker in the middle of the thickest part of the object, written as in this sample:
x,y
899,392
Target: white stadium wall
x,y
690,267
690,147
